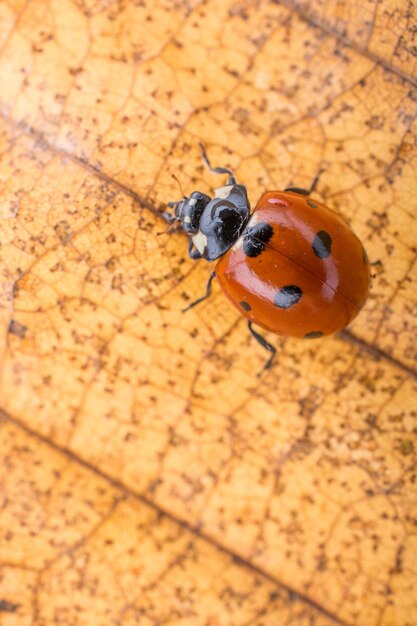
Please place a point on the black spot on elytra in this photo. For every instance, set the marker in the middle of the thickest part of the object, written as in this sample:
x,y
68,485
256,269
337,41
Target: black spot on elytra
x,y
287,296
312,204
245,305
315,334
255,238
322,244
365,256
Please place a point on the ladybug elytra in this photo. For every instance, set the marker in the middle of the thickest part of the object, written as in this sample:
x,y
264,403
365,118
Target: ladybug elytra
x,y
293,266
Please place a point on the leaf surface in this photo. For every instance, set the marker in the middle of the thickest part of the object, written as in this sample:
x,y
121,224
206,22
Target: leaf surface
x,y
306,475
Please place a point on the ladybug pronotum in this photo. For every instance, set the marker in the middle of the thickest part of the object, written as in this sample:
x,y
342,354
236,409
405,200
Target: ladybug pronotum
x,y
293,266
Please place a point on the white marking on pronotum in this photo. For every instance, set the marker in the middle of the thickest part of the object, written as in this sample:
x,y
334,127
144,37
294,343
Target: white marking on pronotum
x,y
223,192
192,201
200,241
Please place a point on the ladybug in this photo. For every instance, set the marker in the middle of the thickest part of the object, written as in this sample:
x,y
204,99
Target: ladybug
x,y
293,266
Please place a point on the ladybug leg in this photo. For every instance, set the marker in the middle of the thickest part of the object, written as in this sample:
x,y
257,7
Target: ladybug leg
x,y
169,217
307,192
217,170
300,190
173,227
193,254
265,344
207,294
315,182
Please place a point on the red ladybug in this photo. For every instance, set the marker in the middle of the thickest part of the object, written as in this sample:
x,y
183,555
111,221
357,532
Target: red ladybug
x,y
293,266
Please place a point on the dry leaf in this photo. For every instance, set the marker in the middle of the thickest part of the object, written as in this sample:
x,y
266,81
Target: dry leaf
x,y
149,476
90,553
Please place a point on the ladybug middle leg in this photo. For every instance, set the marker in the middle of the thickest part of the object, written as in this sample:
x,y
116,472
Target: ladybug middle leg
x,y
265,344
206,295
307,192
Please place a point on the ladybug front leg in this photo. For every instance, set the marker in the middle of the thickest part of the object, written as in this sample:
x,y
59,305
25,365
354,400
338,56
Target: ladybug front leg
x,y
169,217
207,294
193,253
265,344
307,192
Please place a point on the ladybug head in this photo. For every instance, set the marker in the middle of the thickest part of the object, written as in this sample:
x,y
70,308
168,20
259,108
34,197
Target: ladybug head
x,y
213,224
188,211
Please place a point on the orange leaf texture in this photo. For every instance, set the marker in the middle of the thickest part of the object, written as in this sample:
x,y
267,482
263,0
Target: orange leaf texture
x,y
148,476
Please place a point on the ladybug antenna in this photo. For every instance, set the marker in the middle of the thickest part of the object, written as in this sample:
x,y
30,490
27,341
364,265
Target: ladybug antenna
x,y
179,185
